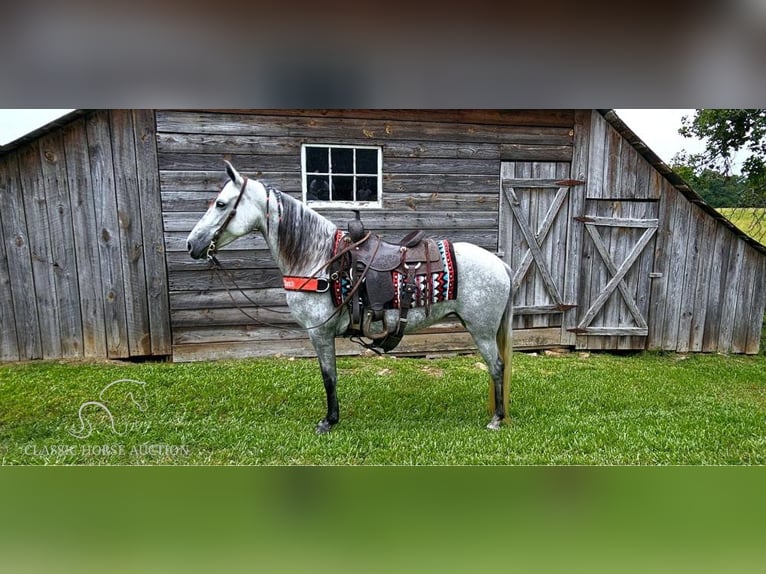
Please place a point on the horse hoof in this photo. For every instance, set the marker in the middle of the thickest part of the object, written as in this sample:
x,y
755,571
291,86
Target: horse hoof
x,y
323,427
495,423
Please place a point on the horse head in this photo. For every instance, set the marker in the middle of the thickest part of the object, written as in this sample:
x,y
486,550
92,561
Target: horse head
x,y
229,216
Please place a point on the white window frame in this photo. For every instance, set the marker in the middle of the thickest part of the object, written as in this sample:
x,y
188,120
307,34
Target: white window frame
x,y
342,204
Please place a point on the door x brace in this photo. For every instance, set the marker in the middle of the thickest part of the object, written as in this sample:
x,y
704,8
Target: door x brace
x,y
618,273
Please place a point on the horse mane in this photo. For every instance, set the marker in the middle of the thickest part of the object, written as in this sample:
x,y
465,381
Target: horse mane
x,y
305,238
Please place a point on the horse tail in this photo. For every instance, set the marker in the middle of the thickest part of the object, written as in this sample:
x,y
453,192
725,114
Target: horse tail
x,y
504,340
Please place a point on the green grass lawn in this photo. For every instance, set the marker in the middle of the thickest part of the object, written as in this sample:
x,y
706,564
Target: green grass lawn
x,y
570,409
745,218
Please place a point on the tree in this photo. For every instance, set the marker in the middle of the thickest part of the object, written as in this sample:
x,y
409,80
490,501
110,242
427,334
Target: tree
x,y
716,188
727,132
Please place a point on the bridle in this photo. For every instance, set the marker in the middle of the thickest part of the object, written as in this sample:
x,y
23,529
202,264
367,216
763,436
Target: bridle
x,y
212,248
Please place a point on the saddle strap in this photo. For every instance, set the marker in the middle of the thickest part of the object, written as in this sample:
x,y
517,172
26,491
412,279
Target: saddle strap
x,y
429,280
409,287
392,339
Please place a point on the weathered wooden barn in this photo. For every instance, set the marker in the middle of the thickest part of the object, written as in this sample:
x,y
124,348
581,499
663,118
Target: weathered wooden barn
x,y
611,249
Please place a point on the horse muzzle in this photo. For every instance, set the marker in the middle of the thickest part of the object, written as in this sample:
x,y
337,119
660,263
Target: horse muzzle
x,y
197,250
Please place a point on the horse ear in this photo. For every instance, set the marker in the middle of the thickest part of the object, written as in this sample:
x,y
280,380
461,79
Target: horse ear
x,y
233,173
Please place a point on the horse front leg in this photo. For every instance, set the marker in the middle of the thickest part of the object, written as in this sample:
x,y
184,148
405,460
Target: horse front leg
x,y
324,344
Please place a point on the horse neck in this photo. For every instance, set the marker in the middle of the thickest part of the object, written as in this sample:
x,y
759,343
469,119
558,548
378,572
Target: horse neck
x,y
299,238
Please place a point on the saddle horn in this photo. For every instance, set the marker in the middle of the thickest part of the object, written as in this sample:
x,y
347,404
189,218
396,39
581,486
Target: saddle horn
x,y
356,228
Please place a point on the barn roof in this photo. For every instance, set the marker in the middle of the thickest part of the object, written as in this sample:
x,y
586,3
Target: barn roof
x,y
610,115
42,130
676,180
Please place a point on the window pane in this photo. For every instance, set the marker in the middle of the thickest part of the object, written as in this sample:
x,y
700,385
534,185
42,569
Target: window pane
x,y
342,160
342,188
367,189
367,161
318,188
316,160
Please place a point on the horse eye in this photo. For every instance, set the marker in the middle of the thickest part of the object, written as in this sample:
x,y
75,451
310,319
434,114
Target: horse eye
x,y
220,204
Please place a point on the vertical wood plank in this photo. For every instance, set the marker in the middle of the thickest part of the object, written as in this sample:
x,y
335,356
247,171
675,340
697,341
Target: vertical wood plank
x,y
719,261
131,232
743,314
86,239
574,230
584,289
153,233
644,179
627,238
707,239
525,293
758,261
61,235
9,344
596,157
559,235
35,208
543,170
729,295
594,188
19,260
646,263
108,233
659,289
612,172
689,278
518,246
508,234
676,269
610,312
534,280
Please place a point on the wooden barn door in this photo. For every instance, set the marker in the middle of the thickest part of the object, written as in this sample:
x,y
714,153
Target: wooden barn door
x,y
617,259
534,222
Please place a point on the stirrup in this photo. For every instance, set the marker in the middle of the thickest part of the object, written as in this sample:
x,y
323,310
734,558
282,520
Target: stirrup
x,y
367,324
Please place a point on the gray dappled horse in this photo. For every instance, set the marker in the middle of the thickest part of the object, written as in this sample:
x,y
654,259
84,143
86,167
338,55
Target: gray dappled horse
x,y
302,241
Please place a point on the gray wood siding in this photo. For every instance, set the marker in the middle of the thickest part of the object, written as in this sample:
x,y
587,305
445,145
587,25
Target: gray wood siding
x,y
82,247
441,172
709,295
694,285
95,211
699,286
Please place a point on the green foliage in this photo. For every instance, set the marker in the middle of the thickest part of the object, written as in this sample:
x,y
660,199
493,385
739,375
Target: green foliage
x,y
573,409
726,133
716,188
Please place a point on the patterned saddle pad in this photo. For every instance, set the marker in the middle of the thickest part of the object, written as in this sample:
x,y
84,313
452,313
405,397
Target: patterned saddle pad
x,y
443,278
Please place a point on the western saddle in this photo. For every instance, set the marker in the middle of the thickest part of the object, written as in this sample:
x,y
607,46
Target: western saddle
x,y
370,270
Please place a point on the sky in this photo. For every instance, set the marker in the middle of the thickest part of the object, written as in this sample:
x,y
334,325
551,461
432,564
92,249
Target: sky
x,y
658,128
16,123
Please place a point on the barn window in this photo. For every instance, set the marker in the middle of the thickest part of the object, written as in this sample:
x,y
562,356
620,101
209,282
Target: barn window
x,y
341,175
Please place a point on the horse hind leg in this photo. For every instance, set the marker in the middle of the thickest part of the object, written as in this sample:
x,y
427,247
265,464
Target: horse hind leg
x,y
483,331
489,351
